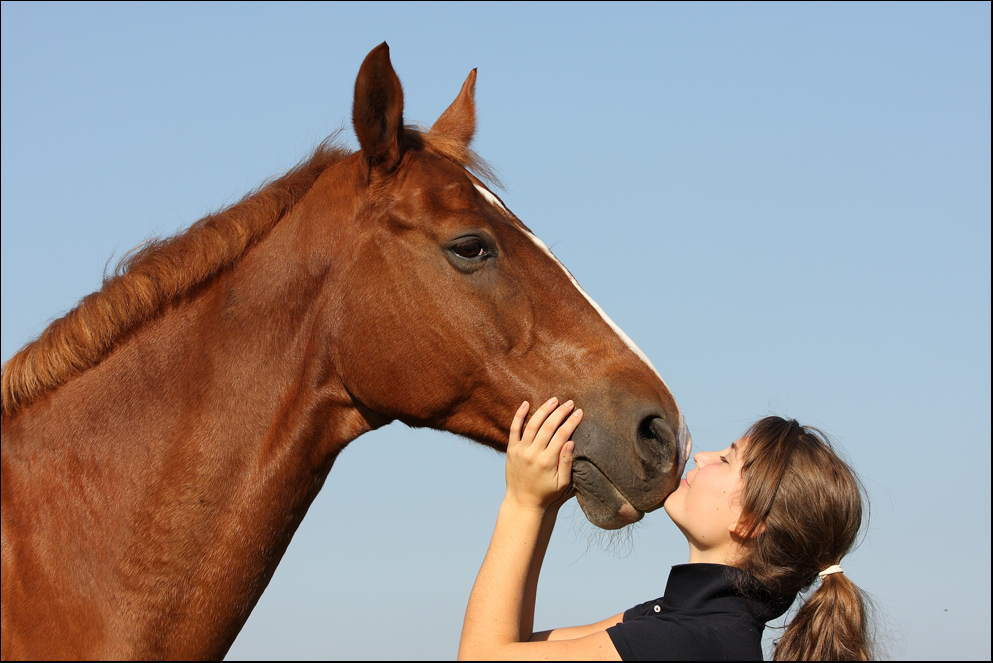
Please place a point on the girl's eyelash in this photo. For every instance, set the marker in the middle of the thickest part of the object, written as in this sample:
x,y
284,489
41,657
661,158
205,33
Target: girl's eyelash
x,y
723,459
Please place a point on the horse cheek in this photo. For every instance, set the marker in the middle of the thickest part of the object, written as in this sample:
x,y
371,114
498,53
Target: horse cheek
x,y
395,359
514,321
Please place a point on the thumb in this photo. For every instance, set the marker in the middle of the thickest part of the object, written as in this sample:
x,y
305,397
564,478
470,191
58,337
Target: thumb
x,y
565,464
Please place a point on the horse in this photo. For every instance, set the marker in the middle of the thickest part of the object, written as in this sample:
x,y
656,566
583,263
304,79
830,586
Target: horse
x,y
163,440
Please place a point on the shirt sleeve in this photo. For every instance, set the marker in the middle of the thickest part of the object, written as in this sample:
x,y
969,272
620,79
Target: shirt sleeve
x,y
664,638
641,610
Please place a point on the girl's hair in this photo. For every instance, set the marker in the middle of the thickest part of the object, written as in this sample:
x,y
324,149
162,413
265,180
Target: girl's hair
x,y
801,513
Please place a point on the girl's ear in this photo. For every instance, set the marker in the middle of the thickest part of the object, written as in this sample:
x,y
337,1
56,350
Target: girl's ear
x,y
740,531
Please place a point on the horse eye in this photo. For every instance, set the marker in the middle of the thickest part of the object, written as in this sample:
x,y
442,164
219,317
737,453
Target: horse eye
x,y
471,248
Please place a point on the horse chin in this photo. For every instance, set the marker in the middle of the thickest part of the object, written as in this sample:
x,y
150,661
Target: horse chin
x,y
602,503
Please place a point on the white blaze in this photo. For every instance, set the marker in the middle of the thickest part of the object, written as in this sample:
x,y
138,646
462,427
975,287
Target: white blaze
x,y
684,441
606,318
493,200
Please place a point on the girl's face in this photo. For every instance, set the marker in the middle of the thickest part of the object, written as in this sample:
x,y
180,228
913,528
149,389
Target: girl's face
x,y
706,505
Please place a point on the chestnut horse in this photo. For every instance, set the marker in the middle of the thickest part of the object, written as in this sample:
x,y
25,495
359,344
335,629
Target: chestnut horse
x,y
163,440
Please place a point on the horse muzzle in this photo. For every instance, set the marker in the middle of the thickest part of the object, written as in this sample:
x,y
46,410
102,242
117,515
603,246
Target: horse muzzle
x,y
620,477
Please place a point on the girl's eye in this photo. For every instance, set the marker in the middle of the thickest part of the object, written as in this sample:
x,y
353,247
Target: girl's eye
x,y
723,459
471,248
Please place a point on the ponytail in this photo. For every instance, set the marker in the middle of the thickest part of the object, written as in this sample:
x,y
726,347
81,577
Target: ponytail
x,y
831,625
802,510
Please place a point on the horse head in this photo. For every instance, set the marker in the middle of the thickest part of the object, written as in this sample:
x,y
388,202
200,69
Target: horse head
x,y
455,311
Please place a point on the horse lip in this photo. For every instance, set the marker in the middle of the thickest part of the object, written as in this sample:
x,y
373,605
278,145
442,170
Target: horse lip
x,y
601,472
684,443
626,519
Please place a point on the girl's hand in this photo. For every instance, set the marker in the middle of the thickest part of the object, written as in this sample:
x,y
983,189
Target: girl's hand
x,y
539,460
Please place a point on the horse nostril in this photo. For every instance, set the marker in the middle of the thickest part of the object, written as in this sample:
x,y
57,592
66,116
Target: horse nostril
x,y
655,428
656,432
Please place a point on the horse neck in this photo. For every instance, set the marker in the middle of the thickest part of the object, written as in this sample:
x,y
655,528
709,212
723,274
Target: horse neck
x,y
169,479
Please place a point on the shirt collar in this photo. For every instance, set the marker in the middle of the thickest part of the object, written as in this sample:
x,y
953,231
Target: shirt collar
x,y
710,587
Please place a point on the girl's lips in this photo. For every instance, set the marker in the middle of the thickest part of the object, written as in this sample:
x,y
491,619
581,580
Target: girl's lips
x,y
684,481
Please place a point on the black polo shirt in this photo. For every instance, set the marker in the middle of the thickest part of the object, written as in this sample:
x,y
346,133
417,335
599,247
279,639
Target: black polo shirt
x,y
702,617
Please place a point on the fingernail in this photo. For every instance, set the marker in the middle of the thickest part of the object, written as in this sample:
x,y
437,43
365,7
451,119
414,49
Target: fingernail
x,y
568,403
552,400
577,413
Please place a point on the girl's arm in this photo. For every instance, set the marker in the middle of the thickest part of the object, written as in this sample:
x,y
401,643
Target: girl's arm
x,y
539,474
531,590
573,632
531,584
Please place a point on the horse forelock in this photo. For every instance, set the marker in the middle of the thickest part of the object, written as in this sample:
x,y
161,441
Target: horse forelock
x,y
451,148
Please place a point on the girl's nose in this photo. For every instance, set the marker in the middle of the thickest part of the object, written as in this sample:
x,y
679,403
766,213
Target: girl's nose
x,y
702,458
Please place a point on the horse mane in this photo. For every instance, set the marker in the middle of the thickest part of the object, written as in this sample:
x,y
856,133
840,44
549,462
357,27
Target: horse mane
x,y
161,271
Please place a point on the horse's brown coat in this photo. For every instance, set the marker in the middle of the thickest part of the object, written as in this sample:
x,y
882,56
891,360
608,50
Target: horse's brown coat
x,y
162,442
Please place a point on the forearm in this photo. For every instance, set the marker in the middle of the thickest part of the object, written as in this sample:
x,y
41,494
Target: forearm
x,y
498,611
574,632
531,585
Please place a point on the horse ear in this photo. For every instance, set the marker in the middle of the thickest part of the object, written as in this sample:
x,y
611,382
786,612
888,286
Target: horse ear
x,y
459,120
377,112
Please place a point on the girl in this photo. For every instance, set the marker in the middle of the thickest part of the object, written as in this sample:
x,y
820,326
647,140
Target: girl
x,y
765,519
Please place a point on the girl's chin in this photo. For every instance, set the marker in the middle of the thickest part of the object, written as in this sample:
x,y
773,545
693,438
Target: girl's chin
x,y
674,496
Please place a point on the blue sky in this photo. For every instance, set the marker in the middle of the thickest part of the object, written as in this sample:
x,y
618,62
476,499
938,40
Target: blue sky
x,y
786,206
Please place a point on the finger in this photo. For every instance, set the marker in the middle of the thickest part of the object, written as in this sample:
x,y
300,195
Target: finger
x,y
518,423
566,457
565,430
552,423
537,419
562,436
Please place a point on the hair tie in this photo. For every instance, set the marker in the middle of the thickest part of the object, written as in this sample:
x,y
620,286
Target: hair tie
x,y
829,570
